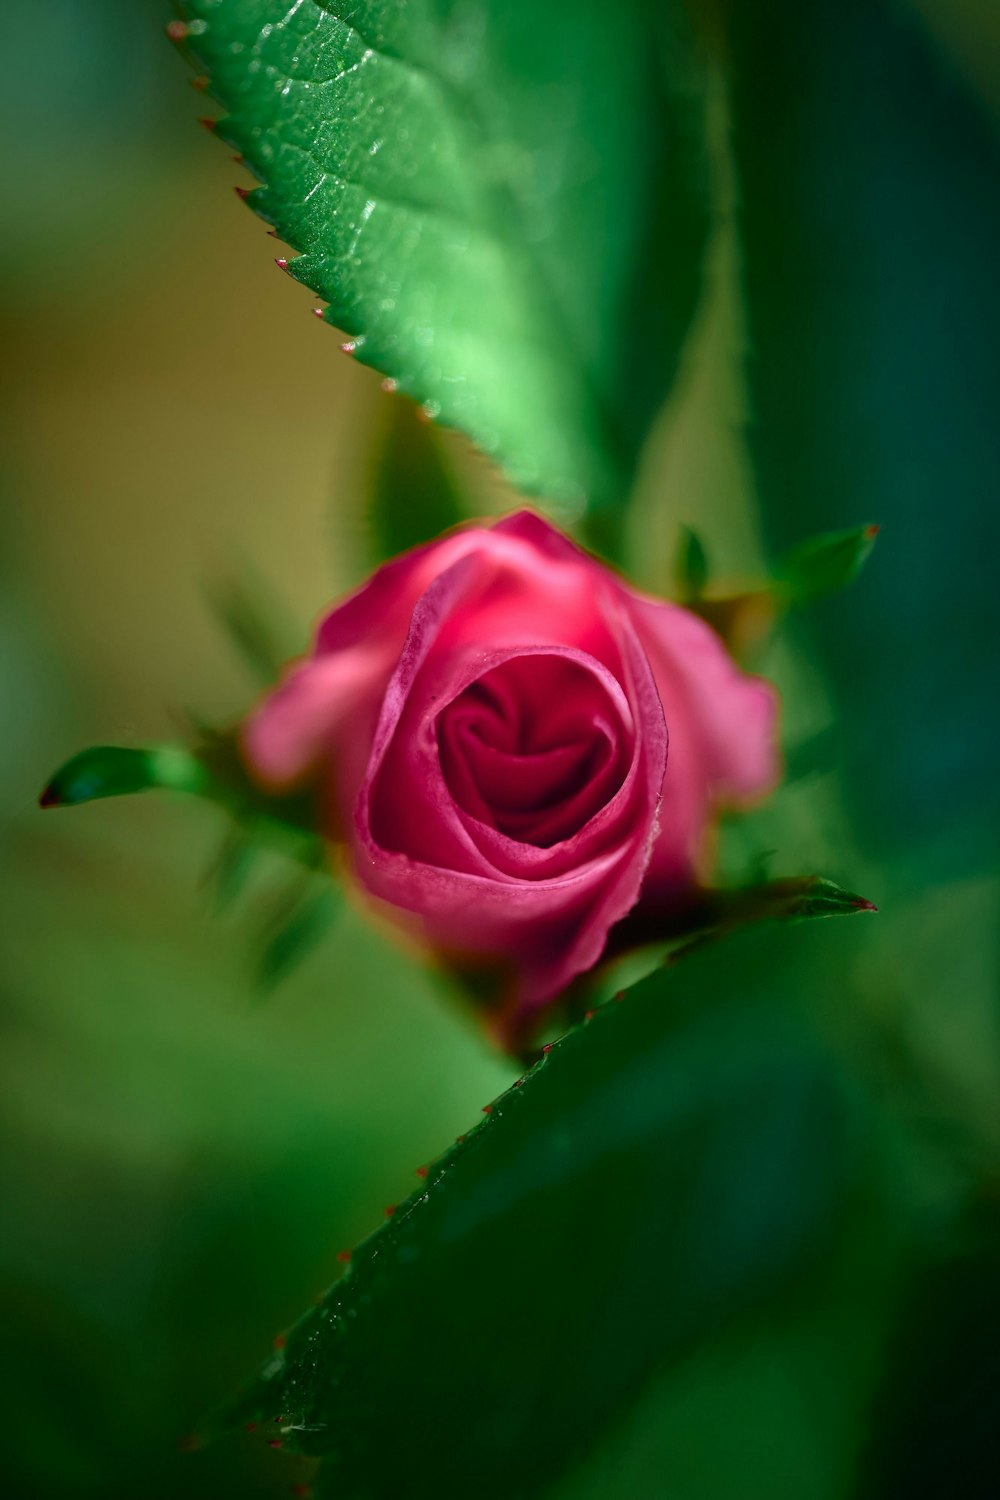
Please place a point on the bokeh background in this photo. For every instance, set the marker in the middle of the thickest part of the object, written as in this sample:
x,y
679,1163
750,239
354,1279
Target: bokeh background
x,y
183,1155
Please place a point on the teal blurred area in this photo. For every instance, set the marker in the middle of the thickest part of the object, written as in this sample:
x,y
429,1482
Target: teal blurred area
x,y
182,1159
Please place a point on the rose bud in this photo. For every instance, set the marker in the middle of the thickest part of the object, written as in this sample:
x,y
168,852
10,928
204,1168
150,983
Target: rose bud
x,y
517,751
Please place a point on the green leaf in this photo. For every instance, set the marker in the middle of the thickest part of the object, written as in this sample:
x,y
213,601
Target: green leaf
x,y
413,495
690,564
870,213
677,1158
505,206
113,771
825,564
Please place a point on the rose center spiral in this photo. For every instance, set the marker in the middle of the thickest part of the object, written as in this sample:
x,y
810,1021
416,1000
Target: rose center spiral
x,y
534,748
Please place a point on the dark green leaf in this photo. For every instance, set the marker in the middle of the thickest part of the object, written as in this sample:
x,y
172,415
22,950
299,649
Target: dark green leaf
x,y
505,207
113,771
690,564
825,564
674,1159
870,207
413,495
936,1422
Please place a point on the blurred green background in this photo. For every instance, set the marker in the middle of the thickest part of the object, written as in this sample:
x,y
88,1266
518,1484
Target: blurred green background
x,y
182,1158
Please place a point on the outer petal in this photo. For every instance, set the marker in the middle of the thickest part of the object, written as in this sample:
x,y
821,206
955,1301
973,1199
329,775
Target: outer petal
x,y
722,735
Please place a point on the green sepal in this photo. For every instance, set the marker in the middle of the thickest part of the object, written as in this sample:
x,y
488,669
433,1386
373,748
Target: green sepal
x,y
691,567
115,771
264,636
824,564
796,899
811,571
213,769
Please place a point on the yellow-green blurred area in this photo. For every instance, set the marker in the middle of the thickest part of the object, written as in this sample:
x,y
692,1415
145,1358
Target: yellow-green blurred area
x,y
183,1157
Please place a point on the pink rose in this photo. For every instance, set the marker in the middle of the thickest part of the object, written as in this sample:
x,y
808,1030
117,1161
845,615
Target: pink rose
x,y
487,722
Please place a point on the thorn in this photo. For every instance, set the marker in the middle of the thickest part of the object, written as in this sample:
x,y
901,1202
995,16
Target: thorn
x,y
344,1256
619,997
424,414
871,532
207,123
279,1420
517,1083
200,83
390,1209
459,1140
274,234
319,312
588,1015
421,1171
251,1427
546,1049
274,1443
349,347
862,905
242,192
50,797
389,385
280,1341
238,159
281,263
487,1109
177,30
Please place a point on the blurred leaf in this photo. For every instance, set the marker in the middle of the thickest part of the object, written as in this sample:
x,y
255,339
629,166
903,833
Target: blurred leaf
x,y
681,1155
690,564
505,207
870,206
413,496
936,1428
114,771
825,564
